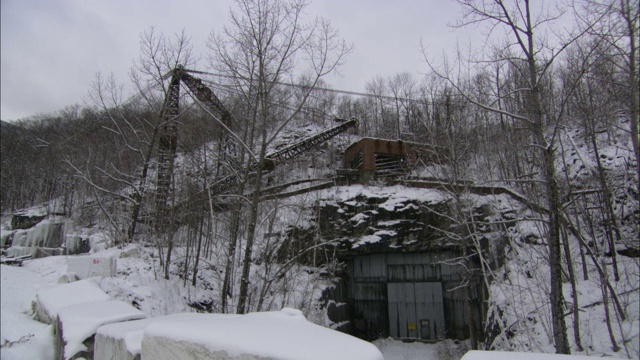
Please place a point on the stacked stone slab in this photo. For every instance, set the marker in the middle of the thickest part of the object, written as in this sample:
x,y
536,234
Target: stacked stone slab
x,y
123,341
284,334
76,326
77,310
49,301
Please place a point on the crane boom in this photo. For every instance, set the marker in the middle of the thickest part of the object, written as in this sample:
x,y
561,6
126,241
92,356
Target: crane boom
x,y
308,143
274,158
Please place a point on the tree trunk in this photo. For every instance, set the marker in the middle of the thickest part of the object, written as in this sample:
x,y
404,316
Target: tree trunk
x,y
226,293
548,167
196,261
574,291
253,220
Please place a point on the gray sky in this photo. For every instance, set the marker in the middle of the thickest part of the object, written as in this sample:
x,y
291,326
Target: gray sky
x,y
52,49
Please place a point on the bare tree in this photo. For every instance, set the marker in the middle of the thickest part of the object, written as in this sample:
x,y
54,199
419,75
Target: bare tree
x,y
267,44
532,58
403,87
378,111
134,122
616,25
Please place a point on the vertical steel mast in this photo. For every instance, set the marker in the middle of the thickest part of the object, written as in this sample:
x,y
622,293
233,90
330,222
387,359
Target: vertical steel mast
x,y
167,145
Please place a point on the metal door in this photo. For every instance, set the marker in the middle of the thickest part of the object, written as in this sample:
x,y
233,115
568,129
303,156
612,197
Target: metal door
x,y
416,310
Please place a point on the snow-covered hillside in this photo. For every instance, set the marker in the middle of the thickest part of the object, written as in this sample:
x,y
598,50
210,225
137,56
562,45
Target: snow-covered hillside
x,y
303,231
518,305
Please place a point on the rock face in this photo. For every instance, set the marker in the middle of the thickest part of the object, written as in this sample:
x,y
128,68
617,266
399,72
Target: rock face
x,y
25,221
407,220
360,220
46,235
45,239
396,240
371,224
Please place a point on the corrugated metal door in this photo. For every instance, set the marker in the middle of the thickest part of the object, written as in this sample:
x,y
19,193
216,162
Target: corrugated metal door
x,y
416,310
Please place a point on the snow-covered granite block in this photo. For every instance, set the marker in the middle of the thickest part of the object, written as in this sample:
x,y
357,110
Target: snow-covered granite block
x,y
77,324
89,266
282,334
50,300
123,341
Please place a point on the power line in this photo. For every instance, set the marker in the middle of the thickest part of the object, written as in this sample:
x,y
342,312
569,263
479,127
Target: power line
x,y
230,89
345,92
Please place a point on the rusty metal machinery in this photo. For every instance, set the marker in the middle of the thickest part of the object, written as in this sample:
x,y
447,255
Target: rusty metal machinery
x,y
167,145
310,142
168,136
205,96
272,159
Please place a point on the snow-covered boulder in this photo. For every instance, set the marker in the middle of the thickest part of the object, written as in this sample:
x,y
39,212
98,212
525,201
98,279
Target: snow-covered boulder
x,y
27,219
282,334
123,341
49,301
130,251
76,325
99,242
89,266
67,278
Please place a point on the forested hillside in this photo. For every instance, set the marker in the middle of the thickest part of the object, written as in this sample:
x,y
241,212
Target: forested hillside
x,y
550,114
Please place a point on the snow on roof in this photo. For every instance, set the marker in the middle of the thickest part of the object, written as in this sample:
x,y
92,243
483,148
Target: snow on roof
x,y
282,334
505,355
51,300
132,331
80,321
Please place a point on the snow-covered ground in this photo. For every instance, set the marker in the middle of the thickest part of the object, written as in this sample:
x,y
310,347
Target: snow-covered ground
x,y
25,338
138,283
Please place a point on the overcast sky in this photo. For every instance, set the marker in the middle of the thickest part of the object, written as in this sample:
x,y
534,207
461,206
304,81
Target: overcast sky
x,y
52,49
